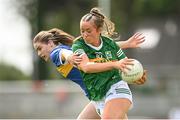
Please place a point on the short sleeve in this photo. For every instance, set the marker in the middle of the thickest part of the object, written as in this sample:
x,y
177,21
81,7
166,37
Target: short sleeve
x,y
56,55
66,53
77,48
119,52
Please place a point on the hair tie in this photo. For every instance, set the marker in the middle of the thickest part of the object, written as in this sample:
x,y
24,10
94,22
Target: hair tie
x,y
96,13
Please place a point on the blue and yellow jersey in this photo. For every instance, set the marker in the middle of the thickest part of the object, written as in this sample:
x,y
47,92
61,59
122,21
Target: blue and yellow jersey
x,y
64,68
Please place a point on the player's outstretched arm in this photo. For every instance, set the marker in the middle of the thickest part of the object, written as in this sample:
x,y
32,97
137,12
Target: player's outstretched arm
x,y
133,42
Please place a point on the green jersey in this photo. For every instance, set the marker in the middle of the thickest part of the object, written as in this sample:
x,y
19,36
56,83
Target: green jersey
x,y
99,83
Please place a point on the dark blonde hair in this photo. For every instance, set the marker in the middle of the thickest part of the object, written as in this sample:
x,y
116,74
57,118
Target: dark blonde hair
x,y
56,35
100,21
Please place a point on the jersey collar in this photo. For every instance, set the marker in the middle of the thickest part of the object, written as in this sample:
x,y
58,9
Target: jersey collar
x,y
94,47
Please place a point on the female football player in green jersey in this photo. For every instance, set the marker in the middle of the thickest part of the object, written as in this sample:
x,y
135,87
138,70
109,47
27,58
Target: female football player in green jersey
x,y
109,94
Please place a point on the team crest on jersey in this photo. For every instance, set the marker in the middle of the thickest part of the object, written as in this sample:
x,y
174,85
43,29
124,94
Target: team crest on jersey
x,y
99,55
108,54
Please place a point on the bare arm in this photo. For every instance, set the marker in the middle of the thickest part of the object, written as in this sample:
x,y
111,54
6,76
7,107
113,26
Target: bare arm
x,y
91,67
133,42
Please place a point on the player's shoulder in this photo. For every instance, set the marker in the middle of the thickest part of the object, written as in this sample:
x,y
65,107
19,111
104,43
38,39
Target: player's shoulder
x,y
108,40
78,42
60,48
55,55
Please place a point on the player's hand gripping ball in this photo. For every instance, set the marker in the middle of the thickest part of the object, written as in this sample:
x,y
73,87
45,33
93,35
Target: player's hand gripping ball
x,y
134,74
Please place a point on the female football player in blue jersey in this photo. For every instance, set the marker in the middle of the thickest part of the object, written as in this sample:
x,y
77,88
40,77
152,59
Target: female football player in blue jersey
x,y
55,45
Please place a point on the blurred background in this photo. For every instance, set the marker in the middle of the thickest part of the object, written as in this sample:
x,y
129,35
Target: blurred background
x,y
31,88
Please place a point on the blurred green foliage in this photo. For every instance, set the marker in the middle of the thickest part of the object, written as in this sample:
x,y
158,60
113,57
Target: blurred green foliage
x,y
8,72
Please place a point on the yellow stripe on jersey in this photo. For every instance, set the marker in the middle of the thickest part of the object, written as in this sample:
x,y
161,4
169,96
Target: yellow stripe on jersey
x,y
65,69
99,60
